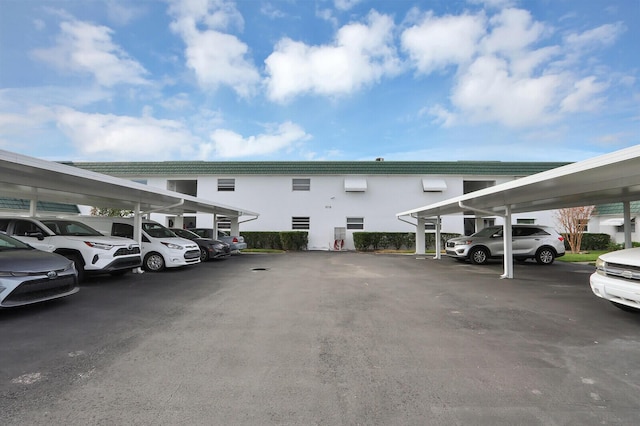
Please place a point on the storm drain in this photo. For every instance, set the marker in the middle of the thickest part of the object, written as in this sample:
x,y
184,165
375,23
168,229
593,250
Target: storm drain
x,y
260,269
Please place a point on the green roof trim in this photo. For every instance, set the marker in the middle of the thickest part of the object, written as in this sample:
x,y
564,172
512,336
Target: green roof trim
x,y
41,206
616,208
309,168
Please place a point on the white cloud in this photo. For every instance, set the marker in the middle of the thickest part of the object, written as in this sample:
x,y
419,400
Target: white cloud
x,y
122,12
494,4
584,96
487,92
513,30
503,71
604,35
88,49
229,144
361,54
345,4
437,42
217,58
125,138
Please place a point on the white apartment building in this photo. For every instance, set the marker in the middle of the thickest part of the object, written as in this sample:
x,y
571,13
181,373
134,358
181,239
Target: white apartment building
x,y
327,199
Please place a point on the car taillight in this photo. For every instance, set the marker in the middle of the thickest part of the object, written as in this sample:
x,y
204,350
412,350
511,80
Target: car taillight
x,y
561,238
235,240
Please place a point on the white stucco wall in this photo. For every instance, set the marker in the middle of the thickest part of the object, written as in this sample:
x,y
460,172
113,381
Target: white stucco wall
x,y
328,205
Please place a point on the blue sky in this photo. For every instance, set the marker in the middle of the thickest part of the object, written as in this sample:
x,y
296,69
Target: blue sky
x,y
504,80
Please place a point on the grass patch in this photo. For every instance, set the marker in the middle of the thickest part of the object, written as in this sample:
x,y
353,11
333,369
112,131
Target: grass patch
x,y
582,257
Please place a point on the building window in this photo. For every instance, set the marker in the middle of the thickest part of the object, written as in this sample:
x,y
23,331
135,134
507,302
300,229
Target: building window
x,y
355,223
301,184
226,184
633,226
526,221
298,222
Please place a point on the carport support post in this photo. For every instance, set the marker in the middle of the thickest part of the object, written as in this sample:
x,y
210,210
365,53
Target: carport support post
x,y
420,237
627,224
33,207
137,231
235,226
438,239
508,244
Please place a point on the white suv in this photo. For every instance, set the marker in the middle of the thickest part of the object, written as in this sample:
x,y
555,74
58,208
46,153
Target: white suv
x,y
617,278
91,251
541,243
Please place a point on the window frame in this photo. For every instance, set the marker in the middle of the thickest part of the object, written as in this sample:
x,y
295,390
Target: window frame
x,y
355,223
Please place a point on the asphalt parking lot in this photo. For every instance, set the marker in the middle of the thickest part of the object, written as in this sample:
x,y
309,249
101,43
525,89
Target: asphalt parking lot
x,y
324,338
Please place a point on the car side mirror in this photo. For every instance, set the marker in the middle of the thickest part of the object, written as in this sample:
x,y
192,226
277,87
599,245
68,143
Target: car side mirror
x,y
37,235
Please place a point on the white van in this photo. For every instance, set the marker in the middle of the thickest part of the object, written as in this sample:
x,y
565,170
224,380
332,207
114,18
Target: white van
x,y
161,248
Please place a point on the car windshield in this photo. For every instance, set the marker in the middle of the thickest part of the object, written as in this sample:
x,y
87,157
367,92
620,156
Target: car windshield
x,y
186,234
70,228
488,232
156,230
8,243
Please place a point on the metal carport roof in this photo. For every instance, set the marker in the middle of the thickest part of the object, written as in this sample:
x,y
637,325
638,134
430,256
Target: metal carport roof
x,y
39,180
608,178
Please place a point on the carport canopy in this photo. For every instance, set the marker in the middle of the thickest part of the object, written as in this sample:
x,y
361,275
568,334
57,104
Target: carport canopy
x,y
609,178
40,180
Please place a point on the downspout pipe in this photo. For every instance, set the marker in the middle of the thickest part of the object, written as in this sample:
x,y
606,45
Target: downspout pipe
x,y
507,236
248,220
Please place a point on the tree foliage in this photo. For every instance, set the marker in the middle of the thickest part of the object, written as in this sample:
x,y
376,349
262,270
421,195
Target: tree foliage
x,y
574,222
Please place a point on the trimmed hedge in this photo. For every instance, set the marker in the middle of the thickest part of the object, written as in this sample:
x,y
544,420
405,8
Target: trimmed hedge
x,y
591,242
262,240
285,240
365,241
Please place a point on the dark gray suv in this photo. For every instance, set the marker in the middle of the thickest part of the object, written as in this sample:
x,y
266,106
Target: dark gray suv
x,y
541,243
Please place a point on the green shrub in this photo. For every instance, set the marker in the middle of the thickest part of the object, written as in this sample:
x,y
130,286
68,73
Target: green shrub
x,y
262,240
366,241
590,241
294,240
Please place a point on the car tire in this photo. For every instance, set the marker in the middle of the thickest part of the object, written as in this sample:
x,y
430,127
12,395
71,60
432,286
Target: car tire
x,y
545,256
626,308
154,262
204,254
479,256
77,259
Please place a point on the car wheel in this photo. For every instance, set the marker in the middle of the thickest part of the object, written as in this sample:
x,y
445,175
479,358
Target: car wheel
x,y
153,262
479,256
545,256
77,259
204,254
626,308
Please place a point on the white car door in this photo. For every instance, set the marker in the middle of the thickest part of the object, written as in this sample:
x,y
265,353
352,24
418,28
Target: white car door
x,y
29,232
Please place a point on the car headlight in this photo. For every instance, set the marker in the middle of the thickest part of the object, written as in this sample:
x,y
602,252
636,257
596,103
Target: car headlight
x,y
173,246
463,243
601,266
101,246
